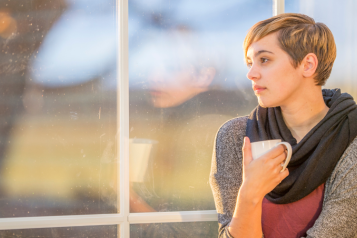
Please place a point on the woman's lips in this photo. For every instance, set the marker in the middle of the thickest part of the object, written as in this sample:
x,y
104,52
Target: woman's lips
x,y
156,93
258,89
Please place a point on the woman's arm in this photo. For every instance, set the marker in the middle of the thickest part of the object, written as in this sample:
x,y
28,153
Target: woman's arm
x,y
226,171
246,220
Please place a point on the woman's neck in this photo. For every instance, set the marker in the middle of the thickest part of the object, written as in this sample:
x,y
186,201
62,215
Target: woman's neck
x,y
301,117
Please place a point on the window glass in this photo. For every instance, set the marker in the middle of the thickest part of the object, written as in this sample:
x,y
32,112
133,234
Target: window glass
x,y
340,18
184,229
58,107
65,232
187,77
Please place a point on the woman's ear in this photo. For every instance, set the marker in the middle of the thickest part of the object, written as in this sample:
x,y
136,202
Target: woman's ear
x,y
205,77
309,64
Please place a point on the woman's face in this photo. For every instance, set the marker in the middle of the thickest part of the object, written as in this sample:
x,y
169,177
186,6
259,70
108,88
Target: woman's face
x,y
170,89
274,79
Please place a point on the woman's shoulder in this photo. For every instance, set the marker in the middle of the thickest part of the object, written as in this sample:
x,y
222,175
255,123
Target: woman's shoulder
x,y
233,127
345,172
352,149
349,158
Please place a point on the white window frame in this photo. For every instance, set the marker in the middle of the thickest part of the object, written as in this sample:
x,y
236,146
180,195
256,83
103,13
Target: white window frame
x,y
124,218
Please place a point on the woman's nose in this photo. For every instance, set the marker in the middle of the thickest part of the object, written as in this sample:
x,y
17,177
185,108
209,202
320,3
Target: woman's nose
x,y
156,78
253,73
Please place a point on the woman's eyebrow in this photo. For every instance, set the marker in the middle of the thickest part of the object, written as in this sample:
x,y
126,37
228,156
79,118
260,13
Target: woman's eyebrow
x,y
262,51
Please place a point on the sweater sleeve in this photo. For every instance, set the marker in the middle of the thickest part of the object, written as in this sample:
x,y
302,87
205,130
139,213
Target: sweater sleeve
x,y
226,171
338,217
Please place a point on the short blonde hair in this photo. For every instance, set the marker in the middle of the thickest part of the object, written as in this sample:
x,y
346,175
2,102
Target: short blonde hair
x,y
298,35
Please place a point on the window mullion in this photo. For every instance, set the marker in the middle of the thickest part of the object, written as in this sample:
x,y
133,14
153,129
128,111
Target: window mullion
x,y
123,115
166,217
278,7
60,221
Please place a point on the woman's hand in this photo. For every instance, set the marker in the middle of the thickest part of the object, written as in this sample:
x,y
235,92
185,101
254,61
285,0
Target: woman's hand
x,y
137,204
262,175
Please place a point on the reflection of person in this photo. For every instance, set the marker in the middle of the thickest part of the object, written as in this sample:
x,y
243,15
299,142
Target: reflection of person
x,y
189,110
181,86
289,58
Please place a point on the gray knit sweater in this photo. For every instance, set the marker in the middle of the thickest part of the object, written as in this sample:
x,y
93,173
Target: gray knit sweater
x,y
338,217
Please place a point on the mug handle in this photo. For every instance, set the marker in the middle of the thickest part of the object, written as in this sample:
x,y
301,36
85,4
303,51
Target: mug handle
x,y
288,157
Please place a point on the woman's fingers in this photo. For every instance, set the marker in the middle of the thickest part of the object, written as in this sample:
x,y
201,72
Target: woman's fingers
x,y
280,159
276,159
247,151
284,174
280,176
277,154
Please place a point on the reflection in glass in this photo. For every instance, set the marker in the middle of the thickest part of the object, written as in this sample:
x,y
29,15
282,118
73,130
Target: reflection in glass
x,y
58,107
64,232
184,229
187,77
340,18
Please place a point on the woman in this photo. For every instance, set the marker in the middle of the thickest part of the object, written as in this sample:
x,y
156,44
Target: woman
x,y
289,57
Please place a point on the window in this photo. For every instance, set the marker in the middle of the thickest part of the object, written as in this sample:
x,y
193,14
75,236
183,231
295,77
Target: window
x,y
109,109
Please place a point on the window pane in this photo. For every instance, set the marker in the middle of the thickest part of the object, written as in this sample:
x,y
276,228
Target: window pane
x,y
184,229
187,77
65,232
340,18
58,107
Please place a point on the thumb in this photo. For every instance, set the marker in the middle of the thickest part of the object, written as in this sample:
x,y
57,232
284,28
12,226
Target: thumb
x,y
247,152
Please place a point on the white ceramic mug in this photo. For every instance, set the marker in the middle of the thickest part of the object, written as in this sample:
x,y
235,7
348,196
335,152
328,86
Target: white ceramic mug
x,y
139,154
261,147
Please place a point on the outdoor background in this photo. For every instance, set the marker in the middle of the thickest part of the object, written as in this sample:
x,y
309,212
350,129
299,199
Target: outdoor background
x,y
58,103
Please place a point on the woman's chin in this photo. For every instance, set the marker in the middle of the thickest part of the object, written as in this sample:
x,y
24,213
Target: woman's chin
x,y
265,103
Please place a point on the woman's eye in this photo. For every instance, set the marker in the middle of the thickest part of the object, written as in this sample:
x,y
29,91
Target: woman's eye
x,y
264,60
249,65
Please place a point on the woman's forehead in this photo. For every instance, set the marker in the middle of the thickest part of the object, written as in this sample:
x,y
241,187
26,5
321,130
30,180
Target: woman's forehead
x,y
268,44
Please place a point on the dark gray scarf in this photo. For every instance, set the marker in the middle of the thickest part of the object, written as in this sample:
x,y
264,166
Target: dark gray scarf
x,y
316,155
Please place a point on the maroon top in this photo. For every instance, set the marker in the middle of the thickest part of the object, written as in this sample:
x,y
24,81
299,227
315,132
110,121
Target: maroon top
x,y
294,219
